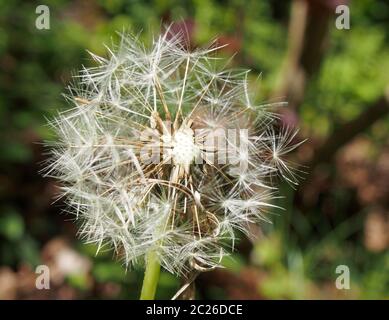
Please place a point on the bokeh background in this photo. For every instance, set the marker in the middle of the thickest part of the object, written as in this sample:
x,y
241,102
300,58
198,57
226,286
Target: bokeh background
x,y
335,82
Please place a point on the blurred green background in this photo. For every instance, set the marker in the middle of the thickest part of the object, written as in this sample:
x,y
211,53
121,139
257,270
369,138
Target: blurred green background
x,y
336,84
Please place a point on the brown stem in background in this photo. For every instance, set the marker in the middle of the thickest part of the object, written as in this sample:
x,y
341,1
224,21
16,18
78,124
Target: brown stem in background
x,y
340,137
346,132
307,43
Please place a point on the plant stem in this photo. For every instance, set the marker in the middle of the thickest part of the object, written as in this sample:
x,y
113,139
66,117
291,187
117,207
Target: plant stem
x,y
150,280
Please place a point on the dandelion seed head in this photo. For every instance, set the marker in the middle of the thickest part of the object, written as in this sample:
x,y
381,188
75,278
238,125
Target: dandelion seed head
x,y
147,160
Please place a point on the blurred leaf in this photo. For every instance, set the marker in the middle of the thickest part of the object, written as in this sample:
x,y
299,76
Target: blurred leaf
x,y
16,152
78,281
11,225
233,262
109,271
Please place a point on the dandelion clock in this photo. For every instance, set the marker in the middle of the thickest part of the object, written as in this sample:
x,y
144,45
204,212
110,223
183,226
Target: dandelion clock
x,y
164,158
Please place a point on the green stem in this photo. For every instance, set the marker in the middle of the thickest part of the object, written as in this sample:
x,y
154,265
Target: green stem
x,y
150,280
